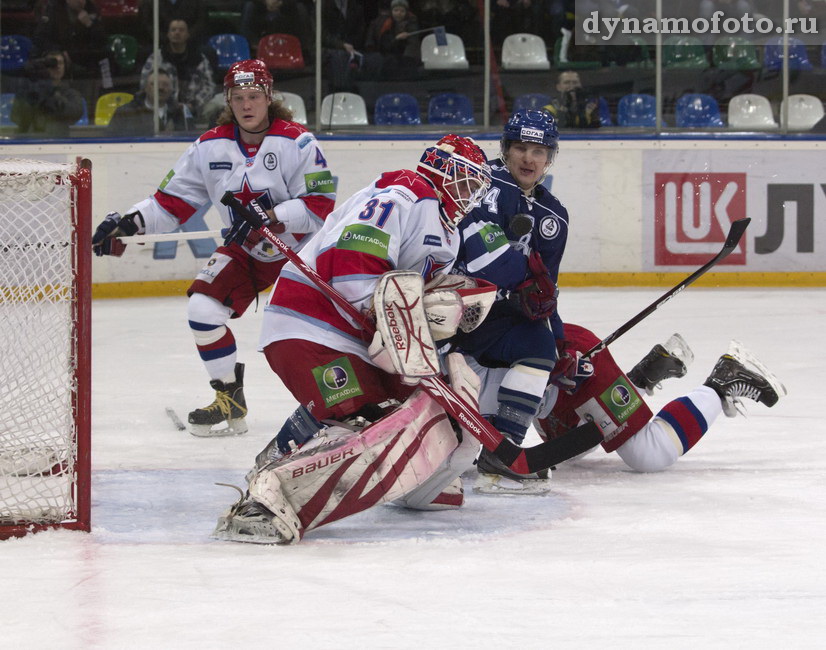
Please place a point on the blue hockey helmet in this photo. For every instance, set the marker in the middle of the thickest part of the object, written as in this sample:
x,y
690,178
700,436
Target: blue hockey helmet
x,y
526,125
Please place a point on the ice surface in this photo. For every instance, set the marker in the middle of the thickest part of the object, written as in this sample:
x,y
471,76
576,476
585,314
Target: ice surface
x,y
723,550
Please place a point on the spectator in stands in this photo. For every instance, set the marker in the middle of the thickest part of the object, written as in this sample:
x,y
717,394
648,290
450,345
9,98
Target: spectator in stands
x,y
389,35
48,105
196,85
73,27
573,107
194,12
137,117
459,17
262,17
342,37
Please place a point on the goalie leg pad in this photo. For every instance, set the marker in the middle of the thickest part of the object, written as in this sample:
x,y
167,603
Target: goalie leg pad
x,y
343,472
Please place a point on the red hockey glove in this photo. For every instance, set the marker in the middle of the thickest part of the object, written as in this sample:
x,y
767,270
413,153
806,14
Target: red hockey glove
x,y
536,296
571,371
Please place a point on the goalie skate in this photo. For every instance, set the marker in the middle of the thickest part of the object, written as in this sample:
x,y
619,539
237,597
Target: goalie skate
x,y
249,522
495,478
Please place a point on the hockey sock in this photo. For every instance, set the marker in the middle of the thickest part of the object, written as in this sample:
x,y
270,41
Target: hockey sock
x,y
519,396
686,419
216,345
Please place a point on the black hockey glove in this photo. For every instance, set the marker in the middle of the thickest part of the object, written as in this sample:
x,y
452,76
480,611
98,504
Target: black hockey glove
x,y
243,233
105,240
536,296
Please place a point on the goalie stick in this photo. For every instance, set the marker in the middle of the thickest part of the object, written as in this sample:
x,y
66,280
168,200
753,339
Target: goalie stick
x,y
732,239
522,460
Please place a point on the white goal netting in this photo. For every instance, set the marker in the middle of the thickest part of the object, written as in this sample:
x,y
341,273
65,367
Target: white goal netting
x,y
40,364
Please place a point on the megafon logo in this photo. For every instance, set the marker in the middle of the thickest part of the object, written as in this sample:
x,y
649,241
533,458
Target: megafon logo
x,y
692,216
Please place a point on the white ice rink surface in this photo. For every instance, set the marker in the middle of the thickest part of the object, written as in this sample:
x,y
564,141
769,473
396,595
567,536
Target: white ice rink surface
x,y
724,550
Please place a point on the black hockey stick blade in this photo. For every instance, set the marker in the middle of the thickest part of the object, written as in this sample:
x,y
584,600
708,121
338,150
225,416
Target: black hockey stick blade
x,y
735,233
525,460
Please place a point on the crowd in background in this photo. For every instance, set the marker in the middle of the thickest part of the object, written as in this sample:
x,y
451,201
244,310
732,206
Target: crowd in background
x,y
73,58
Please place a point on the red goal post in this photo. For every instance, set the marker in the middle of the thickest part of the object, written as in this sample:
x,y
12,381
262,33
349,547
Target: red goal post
x,y
45,347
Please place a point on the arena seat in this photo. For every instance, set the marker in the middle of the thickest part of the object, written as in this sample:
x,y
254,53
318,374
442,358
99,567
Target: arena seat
x,y
773,55
636,109
804,111
444,57
296,104
281,52
396,109
343,109
229,48
524,52
450,108
750,112
14,52
695,110
535,101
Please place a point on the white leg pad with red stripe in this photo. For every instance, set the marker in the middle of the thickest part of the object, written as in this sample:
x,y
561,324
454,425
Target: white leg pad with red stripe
x,y
342,472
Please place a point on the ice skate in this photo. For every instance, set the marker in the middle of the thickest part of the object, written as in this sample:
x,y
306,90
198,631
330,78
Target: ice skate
x,y
250,522
739,374
496,478
662,362
229,407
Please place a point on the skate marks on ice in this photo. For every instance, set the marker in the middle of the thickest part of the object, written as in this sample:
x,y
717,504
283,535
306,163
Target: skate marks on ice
x,y
182,506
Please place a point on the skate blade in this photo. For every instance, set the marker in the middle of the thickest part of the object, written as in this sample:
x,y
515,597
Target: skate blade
x,y
677,347
498,484
233,428
744,356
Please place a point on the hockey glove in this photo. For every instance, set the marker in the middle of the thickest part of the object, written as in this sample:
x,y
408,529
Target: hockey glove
x,y
244,231
105,240
571,371
536,296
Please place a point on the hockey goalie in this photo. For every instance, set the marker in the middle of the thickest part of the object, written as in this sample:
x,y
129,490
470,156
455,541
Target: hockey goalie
x,y
412,456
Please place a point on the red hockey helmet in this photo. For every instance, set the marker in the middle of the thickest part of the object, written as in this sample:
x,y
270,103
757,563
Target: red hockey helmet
x,y
459,170
252,72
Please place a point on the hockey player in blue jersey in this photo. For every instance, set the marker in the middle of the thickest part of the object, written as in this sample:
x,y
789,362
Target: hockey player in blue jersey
x,y
515,239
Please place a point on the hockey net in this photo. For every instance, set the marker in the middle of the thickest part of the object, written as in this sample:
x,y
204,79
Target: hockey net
x,y
45,285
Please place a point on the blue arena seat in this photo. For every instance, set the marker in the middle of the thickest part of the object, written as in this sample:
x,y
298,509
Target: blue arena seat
x,y
535,101
6,101
773,55
604,113
450,108
14,52
637,110
229,48
697,110
397,109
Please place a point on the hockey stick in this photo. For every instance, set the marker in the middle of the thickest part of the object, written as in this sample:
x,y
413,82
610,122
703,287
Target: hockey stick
x,y
522,460
173,236
732,239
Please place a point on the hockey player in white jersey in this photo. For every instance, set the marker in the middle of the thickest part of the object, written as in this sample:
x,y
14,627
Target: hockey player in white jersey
x,y
386,250
257,152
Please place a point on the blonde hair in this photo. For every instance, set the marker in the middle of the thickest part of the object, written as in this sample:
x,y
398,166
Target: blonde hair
x,y
276,111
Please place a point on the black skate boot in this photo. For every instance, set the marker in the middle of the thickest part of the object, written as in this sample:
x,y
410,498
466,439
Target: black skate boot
x,y
497,478
662,362
229,406
731,379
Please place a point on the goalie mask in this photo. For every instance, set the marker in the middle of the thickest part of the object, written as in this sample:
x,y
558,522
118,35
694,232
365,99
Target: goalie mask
x,y
532,126
249,73
458,168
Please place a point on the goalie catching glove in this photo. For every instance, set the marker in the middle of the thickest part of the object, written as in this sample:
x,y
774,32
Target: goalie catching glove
x,y
105,240
536,296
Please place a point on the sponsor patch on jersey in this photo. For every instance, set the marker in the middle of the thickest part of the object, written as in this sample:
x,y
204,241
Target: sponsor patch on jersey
x,y
365,239
493,237
220,165
621,400
166,180
527,134
337,381
304,139
549,227
432,240
321,182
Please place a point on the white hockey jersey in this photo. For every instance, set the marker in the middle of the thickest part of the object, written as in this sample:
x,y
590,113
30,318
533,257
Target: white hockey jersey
x,y
288,171
391,224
